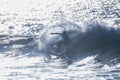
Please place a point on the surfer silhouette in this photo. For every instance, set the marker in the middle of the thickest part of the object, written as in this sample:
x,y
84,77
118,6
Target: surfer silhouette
x,y
65,39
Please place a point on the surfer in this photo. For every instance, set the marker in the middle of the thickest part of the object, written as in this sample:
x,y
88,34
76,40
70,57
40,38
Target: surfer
x,y
65,39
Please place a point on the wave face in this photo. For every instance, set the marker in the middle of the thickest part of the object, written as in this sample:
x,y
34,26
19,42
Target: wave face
x,y
98,37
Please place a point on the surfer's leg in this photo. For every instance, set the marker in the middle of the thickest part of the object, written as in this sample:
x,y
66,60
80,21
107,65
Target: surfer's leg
x,y
59,45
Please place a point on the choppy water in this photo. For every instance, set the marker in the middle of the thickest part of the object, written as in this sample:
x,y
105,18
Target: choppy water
x,y
27,47
34,68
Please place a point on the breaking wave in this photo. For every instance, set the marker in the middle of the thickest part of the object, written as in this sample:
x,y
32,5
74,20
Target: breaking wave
x,y
94,39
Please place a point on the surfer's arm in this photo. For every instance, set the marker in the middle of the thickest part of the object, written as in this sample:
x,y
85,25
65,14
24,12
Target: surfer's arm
x,y
57,33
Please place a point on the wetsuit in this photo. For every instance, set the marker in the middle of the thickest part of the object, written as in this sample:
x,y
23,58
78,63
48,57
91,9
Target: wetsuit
x,y
65,41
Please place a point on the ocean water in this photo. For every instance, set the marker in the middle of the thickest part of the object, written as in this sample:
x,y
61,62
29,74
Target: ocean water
x,y
28,50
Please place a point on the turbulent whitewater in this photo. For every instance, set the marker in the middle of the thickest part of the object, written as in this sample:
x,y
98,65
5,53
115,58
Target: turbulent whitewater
x,y
29,50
